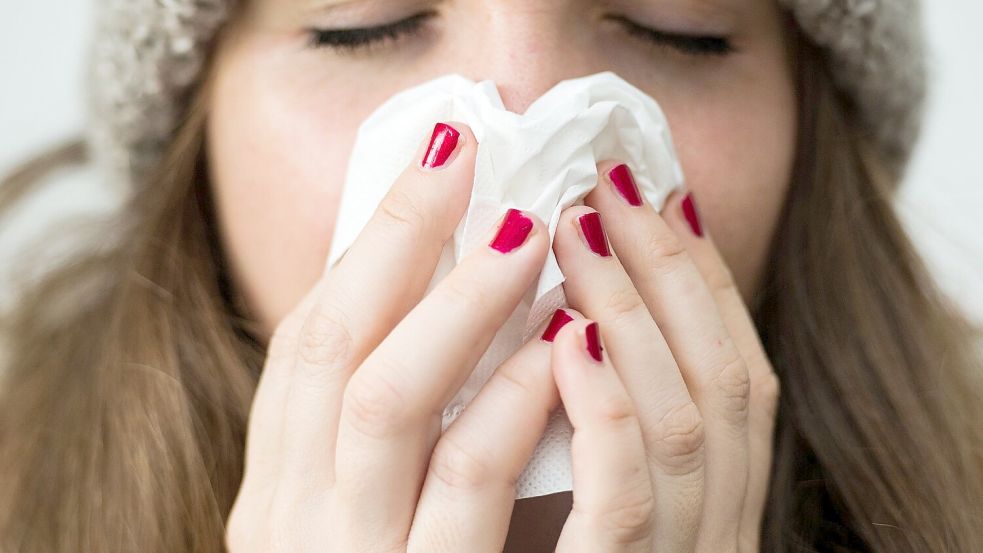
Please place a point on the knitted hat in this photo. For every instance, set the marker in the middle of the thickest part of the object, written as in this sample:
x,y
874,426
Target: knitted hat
x,y
149,53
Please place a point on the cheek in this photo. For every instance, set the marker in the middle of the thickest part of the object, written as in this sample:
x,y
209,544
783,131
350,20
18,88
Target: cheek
x,y
278,155
737,156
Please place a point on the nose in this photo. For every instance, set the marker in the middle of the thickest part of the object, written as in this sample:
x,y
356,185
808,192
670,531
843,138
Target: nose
x,y
525,47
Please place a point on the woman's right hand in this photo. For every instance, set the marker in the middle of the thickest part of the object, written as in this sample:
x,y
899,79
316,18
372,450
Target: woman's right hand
x,y
344,446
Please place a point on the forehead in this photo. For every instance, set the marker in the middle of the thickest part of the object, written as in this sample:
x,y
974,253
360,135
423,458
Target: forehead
x,y
336,5
354,12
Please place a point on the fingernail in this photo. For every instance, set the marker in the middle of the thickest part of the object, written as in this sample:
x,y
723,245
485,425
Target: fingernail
x,y
513,232
625,185
691,215
442,144
560,318
593,233
593,338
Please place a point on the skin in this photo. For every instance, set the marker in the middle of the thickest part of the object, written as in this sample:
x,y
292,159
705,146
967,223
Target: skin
x,y
343,451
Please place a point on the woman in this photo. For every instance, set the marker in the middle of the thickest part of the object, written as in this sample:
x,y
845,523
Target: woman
x,y
197,383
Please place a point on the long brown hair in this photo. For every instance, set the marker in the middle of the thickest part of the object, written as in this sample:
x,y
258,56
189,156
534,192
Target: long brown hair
x,y
131,369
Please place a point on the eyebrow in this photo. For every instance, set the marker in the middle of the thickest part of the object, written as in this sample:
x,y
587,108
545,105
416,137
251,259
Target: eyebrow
x,y
330,5
326,6
720,11
700,9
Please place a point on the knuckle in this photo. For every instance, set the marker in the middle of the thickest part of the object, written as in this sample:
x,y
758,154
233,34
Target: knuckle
x,y
624,305
404,211
616,410
282,344
679,439
458,468
664,251
325,340
731,386
510,380
374,406
768,390
285,338
465,292
721,280
632,520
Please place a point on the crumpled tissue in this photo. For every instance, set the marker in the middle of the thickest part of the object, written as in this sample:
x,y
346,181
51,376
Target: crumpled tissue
x,y
542,161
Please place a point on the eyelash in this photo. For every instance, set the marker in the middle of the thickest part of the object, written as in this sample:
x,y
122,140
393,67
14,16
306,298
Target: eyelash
x,y
352,40
694,45
363,38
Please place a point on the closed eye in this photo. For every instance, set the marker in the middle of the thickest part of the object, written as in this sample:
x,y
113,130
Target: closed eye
x,y
697,45
358,38
362,38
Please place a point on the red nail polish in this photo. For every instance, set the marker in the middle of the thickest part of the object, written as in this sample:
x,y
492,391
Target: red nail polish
x,y
560,318
513,232
593,335
691,215
624,183
442,144
590,224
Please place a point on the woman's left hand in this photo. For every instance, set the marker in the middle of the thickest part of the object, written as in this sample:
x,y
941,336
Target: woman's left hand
x,y
683,344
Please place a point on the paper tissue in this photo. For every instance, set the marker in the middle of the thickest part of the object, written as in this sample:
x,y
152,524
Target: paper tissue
x,y
542,161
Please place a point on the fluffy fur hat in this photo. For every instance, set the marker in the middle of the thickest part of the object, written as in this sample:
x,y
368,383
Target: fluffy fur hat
x,y
149,53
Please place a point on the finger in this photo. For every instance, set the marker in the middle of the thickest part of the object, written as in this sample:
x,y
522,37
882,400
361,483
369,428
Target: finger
x,y
264,435
613,503
683,216
469,492
391,409
715,372
359,301
672,427
350,308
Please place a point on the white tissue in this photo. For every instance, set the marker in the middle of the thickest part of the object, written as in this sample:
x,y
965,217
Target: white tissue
x,y
541,161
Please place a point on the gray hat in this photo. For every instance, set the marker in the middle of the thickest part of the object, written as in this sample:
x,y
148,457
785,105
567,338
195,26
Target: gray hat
x,y
148,54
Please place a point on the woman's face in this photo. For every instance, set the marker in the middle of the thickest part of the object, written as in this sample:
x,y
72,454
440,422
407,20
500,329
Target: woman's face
x,y
284,111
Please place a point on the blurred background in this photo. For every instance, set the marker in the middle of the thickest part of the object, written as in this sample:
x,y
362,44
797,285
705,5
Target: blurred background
x,y
43,46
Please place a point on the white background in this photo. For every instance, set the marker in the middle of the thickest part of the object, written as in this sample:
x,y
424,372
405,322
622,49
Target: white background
x,y
43,44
